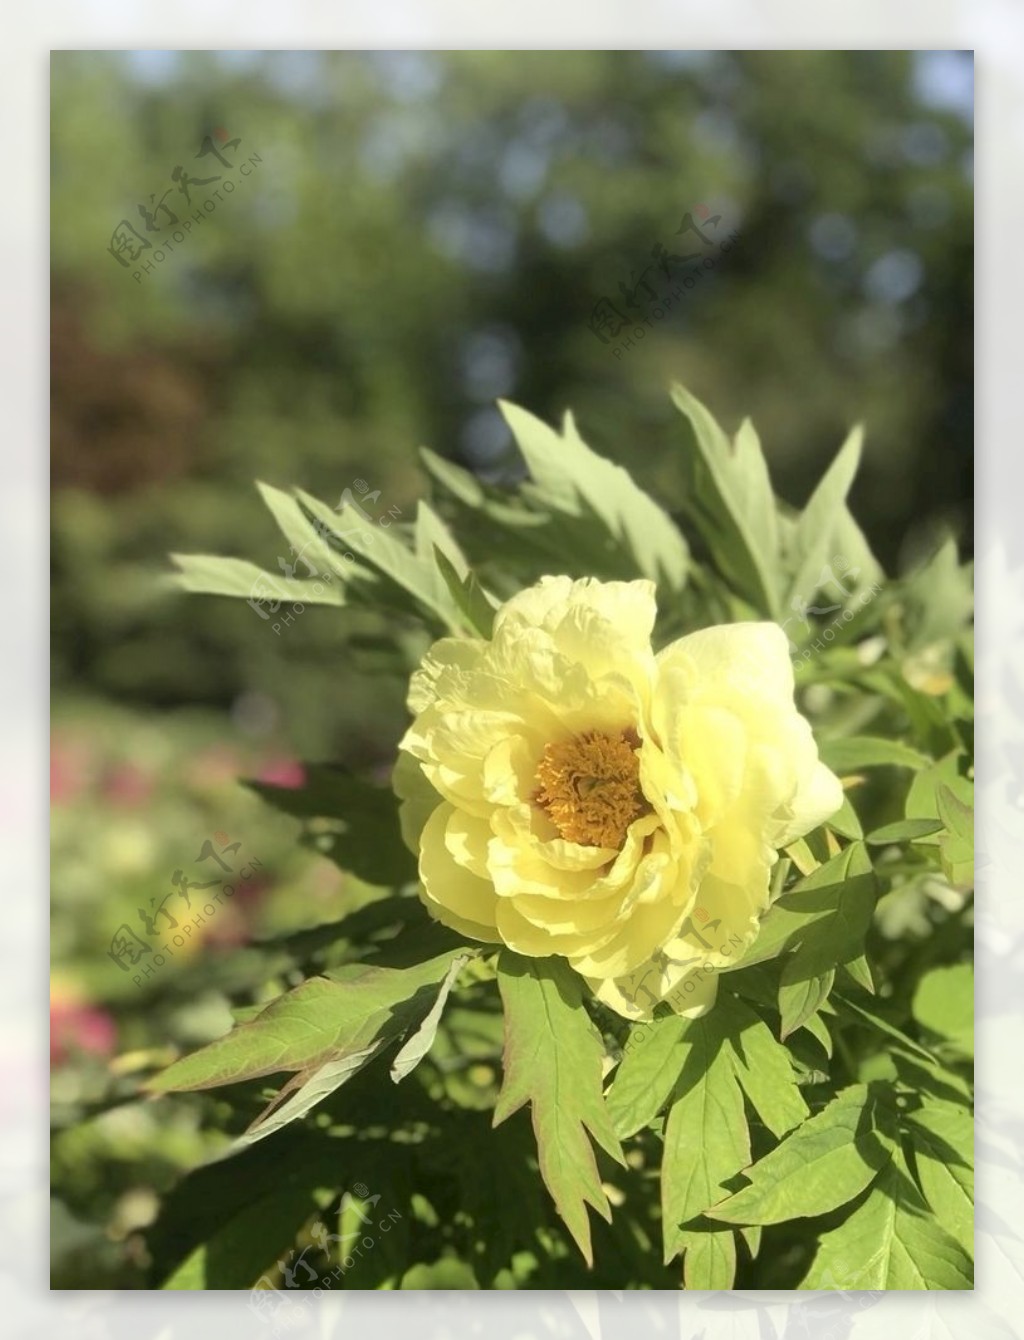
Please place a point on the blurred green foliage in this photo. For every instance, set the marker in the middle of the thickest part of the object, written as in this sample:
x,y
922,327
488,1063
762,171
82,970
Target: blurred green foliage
x,y
133,801
425,232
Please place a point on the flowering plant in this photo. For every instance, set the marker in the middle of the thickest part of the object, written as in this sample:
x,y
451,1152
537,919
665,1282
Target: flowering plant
x,y
677,854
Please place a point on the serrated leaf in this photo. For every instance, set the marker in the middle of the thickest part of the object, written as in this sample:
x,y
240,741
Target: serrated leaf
x,y
417,1046
647,1073
763,1068
573,479
379,549
309,1087
459,482
890,1241
322,1020
801,996
706,1137
824,1163
824,917
469,595
206,574
849,541
302,536
814,535
553,1059
852,753
431,534
731,501
942,1135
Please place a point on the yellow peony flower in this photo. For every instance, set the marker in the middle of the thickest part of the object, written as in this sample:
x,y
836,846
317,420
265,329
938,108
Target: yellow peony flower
x,y
571,792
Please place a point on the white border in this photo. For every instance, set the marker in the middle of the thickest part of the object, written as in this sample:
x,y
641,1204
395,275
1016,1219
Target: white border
x,y
994,29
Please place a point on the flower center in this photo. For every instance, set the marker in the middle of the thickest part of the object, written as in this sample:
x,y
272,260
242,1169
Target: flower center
x,y
589,787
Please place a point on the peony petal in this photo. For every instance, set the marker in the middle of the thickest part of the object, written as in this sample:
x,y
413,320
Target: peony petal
x,y
736,663
457,897
417,797
524,937
819,795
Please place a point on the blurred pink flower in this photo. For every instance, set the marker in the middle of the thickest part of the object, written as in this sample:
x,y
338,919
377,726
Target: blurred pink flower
x,y
77,1026
69,770
283,771
126,784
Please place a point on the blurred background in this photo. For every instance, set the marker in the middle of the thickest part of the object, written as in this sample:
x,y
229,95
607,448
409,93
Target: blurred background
x,y
407,237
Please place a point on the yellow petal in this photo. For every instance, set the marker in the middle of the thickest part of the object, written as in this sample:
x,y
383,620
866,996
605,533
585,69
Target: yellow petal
x,y
452,893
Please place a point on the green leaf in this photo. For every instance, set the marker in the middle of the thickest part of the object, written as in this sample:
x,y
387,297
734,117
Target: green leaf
x,y
446,1273
876,1021
706,1138
855,752
302,536
646,1075
849,541
800,996
417,1046
845,821
923,796
469,595
763,1068
553,1060
709,1260
380,549
859,969
818,1029
322,1020
239,1252
430,534
751,1235
903,830
730,498
890,1241
938,597
300,1095
199,1206
944,1003
942,1135
956,846
823,919
459,482
365,837
813,535
572,479
824,1163
205,574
